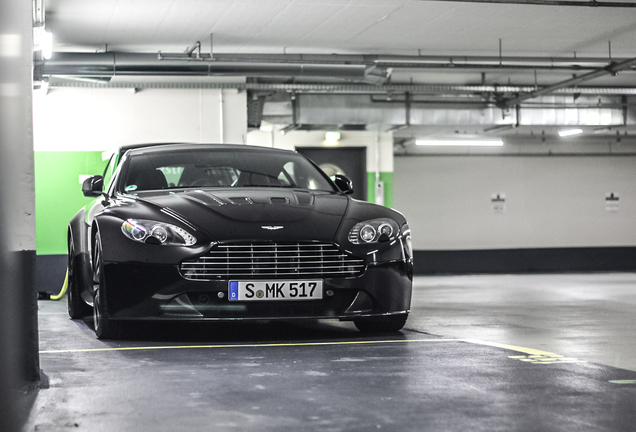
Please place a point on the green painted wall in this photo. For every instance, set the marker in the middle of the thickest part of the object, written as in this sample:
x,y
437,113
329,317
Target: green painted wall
x,y
387,178
58,194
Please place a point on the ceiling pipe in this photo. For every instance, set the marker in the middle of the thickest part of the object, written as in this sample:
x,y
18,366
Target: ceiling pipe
x,y
591,3
38,12
613,68
397,60
109,64
112,64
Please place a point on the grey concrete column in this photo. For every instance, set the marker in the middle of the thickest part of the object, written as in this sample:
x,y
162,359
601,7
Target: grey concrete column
x,y
19,360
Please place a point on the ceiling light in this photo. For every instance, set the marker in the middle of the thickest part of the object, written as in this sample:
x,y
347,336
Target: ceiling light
x,y
484,143
569,132
43,41
332,136
47,45
331,139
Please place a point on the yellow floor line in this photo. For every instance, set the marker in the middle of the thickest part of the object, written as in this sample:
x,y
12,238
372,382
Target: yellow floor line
x,y
300,344
524,350
265,345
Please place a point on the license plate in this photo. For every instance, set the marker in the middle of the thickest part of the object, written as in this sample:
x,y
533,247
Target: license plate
x,y
278,290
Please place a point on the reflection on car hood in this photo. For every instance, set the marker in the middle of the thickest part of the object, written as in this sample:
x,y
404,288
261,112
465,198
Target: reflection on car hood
x,y
255,213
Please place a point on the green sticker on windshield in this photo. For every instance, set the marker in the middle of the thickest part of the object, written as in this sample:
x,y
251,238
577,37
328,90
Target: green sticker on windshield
x,y
130,188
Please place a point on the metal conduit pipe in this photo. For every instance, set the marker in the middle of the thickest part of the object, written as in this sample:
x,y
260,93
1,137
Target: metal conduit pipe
x,y
613,68
391,60
112,64
590,3
347,66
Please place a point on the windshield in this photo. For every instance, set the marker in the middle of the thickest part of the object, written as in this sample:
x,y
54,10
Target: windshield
x,y
190,168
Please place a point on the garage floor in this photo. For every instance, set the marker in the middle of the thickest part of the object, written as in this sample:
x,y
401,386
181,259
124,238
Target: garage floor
x,y
491,353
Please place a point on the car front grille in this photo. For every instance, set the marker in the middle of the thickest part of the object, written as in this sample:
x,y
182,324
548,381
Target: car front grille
x,y
261,260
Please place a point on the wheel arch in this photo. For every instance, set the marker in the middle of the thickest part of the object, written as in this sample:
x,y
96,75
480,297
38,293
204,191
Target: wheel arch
x,y
77,234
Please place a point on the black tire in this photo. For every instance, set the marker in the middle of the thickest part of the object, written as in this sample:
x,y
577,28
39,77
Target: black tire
x,y
105,328
388,323
77,308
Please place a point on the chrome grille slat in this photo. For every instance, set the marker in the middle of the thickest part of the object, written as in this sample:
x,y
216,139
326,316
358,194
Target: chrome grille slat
x,y
193,266
256,260
296,257
273,263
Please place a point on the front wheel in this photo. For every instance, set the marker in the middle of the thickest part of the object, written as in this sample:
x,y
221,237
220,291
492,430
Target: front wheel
x,y
105,328
388,323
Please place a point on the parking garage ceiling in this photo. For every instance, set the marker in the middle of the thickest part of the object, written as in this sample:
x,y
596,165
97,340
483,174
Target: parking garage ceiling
x,y
411,66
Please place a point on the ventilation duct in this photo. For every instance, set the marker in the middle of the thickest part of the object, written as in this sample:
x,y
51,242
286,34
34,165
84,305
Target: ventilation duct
x,y
365,110
110,64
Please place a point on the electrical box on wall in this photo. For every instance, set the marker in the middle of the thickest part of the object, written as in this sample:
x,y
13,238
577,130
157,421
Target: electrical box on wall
x,y
379,192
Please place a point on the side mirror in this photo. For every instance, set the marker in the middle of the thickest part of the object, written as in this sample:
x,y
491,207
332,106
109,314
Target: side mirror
x,y
92,186
343,183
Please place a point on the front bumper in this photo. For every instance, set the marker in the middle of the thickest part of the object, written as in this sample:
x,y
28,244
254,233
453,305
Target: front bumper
x,y
159,292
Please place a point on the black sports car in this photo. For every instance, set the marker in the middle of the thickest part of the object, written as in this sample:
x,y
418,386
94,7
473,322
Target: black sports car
x,y
233,232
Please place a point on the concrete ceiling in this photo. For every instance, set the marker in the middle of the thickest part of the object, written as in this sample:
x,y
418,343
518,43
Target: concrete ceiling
x,y
457,43
343,26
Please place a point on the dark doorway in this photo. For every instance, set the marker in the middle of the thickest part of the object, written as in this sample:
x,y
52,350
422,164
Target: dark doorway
x,y
350,161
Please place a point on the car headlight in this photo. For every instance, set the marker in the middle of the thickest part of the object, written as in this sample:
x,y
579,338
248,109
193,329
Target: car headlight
x,y
152,232
373,231
408,244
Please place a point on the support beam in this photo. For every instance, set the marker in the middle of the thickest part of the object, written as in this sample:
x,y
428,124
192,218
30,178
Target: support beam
x,y
19,360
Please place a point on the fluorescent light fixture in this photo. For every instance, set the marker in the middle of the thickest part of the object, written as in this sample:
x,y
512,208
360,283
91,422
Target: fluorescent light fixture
x,y
47,44
569,132
331,139
442,142
43,41
332,136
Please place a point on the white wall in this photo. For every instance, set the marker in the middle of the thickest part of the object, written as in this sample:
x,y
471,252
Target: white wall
x,y
551,201
102,119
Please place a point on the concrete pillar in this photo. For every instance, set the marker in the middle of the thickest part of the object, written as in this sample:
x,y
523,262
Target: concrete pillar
x,y
19,360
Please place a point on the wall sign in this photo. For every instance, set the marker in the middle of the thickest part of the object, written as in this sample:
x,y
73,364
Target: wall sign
x,y
611,202
498,202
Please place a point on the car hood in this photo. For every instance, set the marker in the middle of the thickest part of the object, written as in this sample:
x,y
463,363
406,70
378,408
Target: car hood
x,y
254,213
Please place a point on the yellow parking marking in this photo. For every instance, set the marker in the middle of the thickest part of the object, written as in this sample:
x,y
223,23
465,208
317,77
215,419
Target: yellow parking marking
x,y
530,351
533,355
547,359
266,345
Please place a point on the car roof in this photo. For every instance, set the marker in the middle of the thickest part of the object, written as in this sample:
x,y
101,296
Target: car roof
x,y
161,147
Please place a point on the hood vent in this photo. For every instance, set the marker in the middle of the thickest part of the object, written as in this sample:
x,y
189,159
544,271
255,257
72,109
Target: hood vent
x,y
304,198
279,200
242,200
214,198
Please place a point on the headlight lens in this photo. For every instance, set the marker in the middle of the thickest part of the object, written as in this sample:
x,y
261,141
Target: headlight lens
x,y
373,231
408,244
152,232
